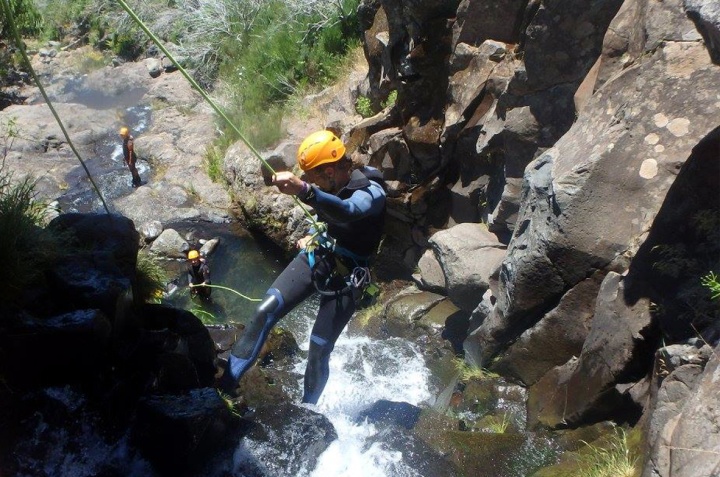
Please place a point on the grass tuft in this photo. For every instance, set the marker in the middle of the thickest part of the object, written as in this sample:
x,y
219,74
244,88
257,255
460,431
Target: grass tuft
x,y
468,372
151,278
612,460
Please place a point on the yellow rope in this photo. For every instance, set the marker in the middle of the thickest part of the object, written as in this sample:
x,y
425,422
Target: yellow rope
x,y
228,289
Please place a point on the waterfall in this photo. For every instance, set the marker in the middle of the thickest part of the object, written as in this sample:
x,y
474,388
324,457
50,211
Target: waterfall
x,y
363,371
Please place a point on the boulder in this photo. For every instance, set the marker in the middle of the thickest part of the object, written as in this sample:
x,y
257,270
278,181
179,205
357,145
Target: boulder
x,y
285,439
179,433
50,351
677,372
170,244
468,254
617,350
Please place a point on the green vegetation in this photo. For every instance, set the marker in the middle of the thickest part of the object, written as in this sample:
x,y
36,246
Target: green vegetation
x,y
468,372
363,106
27,249
391,99
687,268
151,278
710,281
213,163
498,424
283,49
256,55
611,459
28,20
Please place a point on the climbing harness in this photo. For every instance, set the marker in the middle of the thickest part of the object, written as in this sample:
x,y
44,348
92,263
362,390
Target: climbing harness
x,y
356,278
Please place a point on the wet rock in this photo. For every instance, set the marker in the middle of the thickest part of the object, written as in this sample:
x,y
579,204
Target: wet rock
x,y
286,438
182,345
393,413
55,350
170,244
179,433
402,312
149,231
209,246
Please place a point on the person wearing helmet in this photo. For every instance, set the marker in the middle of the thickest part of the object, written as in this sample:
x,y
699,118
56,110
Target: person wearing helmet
x,y
198,276
352,204
129,155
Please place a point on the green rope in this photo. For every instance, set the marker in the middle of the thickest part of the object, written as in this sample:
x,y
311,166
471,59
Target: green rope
x,y
18,41
229,289
207,98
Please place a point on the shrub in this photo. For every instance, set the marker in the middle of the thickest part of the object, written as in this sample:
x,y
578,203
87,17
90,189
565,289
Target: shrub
x,y
363,106
391,99
151,278
28,20
26,248
710,281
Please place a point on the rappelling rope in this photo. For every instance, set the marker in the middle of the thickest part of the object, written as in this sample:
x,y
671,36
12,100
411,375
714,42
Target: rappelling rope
x,y
228,289
7,11
207,98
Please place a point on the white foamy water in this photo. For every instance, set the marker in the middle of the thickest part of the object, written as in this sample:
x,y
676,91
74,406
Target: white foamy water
x,y
362,372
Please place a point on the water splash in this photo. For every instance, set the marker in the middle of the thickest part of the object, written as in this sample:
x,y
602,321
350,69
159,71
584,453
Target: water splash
x,y
362,372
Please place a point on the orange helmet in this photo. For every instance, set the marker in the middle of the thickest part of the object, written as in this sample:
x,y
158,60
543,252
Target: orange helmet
x,y
193,254
124,131
319,148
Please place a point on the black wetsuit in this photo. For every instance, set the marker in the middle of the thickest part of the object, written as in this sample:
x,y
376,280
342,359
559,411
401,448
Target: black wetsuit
x,y
355,219
198,274
131,159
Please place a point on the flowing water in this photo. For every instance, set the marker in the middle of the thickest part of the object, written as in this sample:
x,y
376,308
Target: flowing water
x,y
362,370
107,167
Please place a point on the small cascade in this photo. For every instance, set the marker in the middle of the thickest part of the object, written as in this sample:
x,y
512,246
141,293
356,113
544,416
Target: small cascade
x,y
362,372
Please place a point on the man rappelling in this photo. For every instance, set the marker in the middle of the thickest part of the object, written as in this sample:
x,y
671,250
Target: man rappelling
x,y
333,259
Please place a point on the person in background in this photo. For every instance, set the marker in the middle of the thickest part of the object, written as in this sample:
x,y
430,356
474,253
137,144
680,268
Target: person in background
x,y
129,155
198,276
333,262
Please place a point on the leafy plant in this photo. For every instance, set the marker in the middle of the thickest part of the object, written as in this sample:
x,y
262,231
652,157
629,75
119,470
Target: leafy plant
x,y
391,99
213,163
28,20
363,106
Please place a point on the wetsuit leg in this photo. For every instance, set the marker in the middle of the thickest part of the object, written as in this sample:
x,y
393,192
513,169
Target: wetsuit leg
x,y
333,316
290,288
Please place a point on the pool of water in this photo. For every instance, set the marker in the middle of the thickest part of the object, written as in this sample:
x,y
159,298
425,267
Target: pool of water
x,y
241,262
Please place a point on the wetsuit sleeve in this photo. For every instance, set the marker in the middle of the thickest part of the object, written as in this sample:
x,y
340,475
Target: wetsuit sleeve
x,y
363,202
